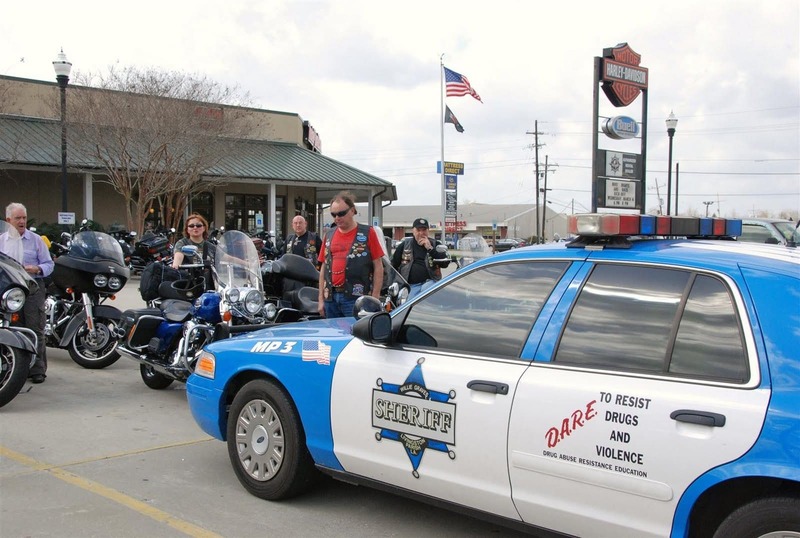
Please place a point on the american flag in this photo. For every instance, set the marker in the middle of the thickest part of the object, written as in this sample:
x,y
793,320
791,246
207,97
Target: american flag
x,y
316,351
457,85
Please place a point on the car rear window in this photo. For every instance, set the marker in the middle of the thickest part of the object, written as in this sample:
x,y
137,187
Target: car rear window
x,y
655,320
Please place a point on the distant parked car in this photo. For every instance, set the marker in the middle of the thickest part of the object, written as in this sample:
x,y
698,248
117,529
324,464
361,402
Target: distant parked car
x,y
508,243
771,231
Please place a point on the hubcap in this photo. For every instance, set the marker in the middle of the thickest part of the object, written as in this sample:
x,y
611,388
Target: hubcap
x,y
259,440
95,346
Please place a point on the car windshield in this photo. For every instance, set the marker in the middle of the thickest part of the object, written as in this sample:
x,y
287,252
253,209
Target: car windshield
x,y
789,231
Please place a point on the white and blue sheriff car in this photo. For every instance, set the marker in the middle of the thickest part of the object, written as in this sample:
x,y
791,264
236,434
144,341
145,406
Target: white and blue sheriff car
x,y
641,380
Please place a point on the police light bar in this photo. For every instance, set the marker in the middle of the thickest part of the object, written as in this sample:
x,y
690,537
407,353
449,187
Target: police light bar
x,y
610,225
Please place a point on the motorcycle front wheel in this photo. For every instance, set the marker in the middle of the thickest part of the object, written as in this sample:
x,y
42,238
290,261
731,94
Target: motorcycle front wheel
x,y
14,366
153,379
98,351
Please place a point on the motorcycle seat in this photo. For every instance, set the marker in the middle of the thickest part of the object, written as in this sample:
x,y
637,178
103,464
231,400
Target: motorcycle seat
x,y
176,311
305,299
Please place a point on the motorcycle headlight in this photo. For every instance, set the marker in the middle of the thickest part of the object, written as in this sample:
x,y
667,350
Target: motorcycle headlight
x,y
13,299
271,311
253,302
232,295
402,296
100,281
115,283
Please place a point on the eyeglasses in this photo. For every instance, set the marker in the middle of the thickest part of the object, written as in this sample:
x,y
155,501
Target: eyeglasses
x,y
194,225
341,213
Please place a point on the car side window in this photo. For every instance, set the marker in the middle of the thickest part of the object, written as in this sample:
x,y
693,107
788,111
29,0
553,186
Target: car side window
x,y
655,320
506,297
709,341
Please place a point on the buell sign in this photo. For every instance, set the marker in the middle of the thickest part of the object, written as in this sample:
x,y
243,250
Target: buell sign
x,y
623,77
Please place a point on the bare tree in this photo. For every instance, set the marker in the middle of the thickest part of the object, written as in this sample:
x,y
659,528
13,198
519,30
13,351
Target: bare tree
x,y
155,133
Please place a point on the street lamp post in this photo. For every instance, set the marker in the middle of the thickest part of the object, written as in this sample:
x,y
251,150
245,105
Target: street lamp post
x,y
672,122
63,67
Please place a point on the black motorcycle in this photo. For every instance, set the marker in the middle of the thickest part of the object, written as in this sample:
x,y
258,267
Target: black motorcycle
x,y
292,281
87,275
126,242
17,344
151,247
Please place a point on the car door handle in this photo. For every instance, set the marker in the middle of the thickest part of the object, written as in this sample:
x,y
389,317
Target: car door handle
x,y
488,386
704,418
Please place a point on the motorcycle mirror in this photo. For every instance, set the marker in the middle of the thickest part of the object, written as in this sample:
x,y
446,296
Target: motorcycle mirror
x,y
441,248
133,234
172,230
189,250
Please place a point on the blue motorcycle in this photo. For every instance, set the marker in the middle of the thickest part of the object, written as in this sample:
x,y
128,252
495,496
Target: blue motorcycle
x,y
167,337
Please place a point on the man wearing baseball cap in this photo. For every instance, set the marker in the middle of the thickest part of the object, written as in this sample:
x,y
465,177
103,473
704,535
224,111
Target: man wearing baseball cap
x,y
417,259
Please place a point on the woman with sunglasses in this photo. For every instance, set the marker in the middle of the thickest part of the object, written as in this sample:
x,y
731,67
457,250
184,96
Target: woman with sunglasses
x,y
196,233
351,261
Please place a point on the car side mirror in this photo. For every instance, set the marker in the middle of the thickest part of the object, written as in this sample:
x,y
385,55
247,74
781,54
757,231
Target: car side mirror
x,y
374,329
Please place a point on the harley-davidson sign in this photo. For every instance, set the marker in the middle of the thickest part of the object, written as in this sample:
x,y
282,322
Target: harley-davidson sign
x,y
623,77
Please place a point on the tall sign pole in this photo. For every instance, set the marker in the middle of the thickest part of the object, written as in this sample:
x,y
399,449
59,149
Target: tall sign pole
x,y
619,179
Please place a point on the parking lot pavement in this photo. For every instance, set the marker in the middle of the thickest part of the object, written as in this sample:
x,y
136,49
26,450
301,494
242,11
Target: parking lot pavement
x,y
97,453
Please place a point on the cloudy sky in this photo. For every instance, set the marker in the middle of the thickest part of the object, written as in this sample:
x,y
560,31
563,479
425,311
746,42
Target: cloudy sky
x,y
366,76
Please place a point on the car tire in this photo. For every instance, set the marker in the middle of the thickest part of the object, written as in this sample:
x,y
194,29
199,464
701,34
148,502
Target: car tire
x,y
767,517
153,379
266,442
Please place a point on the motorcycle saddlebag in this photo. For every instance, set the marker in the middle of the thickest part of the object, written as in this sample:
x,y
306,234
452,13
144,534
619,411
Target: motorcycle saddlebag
x,y
153,276
140,326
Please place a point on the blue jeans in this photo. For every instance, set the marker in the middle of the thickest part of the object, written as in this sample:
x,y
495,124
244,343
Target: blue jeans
x,y
414,289
340,305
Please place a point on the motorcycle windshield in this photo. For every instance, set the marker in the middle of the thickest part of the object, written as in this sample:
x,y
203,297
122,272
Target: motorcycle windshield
x,y
11,272
471,248
390,274
96,247
236,262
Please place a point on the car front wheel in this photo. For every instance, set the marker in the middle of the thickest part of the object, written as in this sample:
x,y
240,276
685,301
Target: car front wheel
x,y
266,443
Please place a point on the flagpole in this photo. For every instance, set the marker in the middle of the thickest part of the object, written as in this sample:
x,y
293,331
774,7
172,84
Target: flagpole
x,y
441,131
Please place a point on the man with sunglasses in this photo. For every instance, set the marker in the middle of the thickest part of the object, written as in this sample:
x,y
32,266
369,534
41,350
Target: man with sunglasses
x,y
351,257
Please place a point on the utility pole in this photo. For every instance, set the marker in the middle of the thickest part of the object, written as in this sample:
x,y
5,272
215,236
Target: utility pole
x,y
660,201
708,204
536,147
544,197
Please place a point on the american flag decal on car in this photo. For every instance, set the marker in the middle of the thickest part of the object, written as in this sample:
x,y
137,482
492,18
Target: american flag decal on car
x,y
316,351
